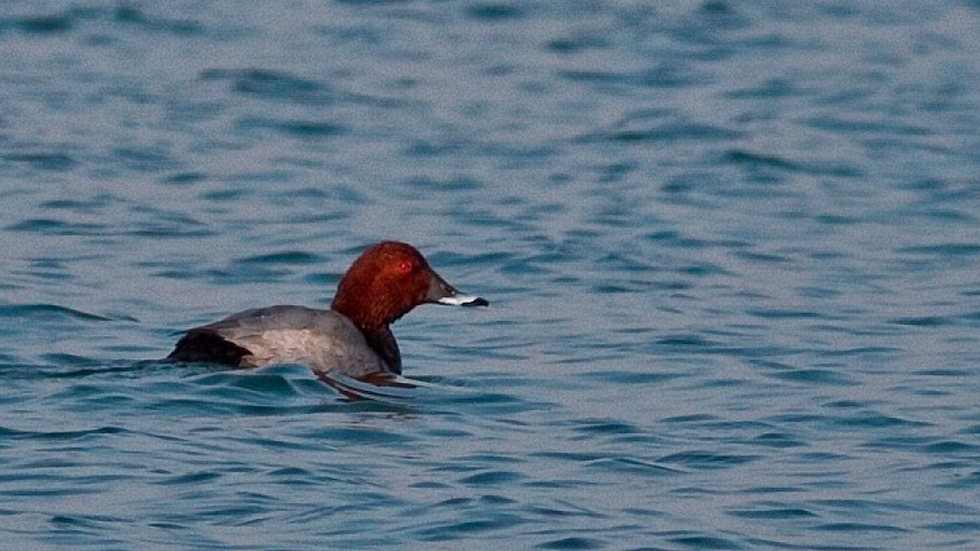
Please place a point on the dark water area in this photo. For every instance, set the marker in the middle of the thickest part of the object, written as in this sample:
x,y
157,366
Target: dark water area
x,y
732,251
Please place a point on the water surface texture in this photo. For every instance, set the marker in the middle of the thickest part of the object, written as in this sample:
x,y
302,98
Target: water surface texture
x,y
732,251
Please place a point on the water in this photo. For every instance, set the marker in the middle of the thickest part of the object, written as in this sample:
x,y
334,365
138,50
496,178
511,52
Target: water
x,y
731,249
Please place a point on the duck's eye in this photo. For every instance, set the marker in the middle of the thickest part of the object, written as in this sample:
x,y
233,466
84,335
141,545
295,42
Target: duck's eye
x,y
404,266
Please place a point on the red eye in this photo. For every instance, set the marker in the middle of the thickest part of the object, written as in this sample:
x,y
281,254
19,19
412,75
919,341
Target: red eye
x,y
404,266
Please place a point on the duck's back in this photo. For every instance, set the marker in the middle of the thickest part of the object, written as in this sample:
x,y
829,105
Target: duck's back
x,y
322,339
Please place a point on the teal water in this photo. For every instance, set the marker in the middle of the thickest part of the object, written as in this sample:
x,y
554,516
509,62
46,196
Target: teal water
x,y
732,251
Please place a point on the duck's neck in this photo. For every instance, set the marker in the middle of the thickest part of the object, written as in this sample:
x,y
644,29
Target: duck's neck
x,y
383,342
370,320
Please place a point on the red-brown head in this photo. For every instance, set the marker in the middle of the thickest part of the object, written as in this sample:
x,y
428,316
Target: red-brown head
x,y
387,281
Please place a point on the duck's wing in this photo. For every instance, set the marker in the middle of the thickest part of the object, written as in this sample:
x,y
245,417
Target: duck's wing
x,y
322,339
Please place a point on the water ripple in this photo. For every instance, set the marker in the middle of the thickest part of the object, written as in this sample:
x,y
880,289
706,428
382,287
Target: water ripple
x,y
731,251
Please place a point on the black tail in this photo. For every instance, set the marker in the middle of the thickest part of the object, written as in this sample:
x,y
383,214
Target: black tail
x,y
203,346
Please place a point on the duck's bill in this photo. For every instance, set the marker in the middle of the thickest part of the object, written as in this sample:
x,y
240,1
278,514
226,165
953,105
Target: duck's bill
x,y
441,292
460,299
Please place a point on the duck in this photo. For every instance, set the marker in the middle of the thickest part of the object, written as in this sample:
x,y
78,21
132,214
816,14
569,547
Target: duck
x,y
352,338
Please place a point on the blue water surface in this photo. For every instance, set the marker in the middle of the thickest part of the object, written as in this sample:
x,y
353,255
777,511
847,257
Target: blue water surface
x,y
732,251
